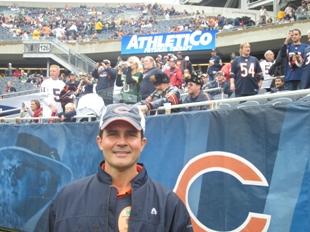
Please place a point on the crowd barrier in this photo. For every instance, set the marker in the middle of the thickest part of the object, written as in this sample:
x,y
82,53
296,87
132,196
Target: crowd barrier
x,y
235,169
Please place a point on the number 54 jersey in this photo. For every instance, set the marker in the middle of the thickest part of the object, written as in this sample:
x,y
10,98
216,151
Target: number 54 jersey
x,y
50,92
247,73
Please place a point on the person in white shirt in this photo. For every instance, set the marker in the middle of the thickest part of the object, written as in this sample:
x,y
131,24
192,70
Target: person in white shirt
x,y
263,13
265,66
50,92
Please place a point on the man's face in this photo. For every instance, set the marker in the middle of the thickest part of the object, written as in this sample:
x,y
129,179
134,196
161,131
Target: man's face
x,y
54,73
278,83
213,53
160,88
204,79
270,56
121,144
296,37
220,78
193,89
171,64
72,77
23,180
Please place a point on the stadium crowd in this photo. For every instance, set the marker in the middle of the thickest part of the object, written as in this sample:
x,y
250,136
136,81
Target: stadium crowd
x,y
83,24
153,82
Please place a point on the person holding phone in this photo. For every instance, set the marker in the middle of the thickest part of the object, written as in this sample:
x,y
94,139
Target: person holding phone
x,y
292,51
35,110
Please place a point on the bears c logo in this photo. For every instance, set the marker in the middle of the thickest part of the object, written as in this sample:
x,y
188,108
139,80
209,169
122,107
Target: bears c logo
x,y
231,164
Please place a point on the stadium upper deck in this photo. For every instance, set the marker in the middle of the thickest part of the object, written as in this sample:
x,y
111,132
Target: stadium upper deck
x,y
262,38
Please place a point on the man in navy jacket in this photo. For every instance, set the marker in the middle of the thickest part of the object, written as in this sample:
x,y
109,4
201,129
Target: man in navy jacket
x,y
120,196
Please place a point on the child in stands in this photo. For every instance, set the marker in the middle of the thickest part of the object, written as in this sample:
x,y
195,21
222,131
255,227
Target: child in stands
x,y
68,115
279,83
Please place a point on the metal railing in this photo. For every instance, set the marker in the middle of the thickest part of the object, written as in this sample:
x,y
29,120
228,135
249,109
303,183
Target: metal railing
x,y
80,62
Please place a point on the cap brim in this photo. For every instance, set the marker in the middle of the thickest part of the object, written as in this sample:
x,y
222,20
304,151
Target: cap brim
x,y
135,125
63,172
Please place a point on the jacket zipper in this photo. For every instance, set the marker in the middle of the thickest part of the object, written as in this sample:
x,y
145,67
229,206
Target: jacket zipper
x,y
131,210
107,218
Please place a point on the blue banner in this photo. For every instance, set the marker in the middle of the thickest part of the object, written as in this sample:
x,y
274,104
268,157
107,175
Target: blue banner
x,y
168,42
235,169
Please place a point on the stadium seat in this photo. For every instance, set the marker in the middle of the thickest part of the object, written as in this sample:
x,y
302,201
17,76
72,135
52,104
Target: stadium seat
x,y
280,100
219,96
305,98
224,105
247,104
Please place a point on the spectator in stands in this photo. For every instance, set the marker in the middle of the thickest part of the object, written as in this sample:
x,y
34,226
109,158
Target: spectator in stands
x,y
9,70
35,110
220,81
205,81
228,25
269,21
167,15
174,73
220,22
195,94
189,66
106,78
215,64
280,15
31,79
131,80
246,74
301,10
261,22
290,17
164,93
36,33
305,79
263,14
9,88
180,62
293,52
98,26
150,69
68,115
16,73
50,90
265,66
279,82
289,9
39,82
86,85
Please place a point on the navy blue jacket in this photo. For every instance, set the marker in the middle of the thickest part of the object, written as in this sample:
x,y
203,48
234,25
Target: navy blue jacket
x,y
88,205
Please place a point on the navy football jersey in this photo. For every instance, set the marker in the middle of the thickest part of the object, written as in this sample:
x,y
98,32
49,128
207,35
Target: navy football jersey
x,y
247,72
292,72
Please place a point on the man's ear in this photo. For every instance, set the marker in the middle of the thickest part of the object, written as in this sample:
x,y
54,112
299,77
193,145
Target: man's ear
x,y
44,181
99,140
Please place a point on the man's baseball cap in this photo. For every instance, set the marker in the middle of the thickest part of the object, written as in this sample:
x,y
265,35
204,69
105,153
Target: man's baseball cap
x,y
115,112
159,78
203,74
106,61
186,58
159,55
72,73
194,78
213,50
220,73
